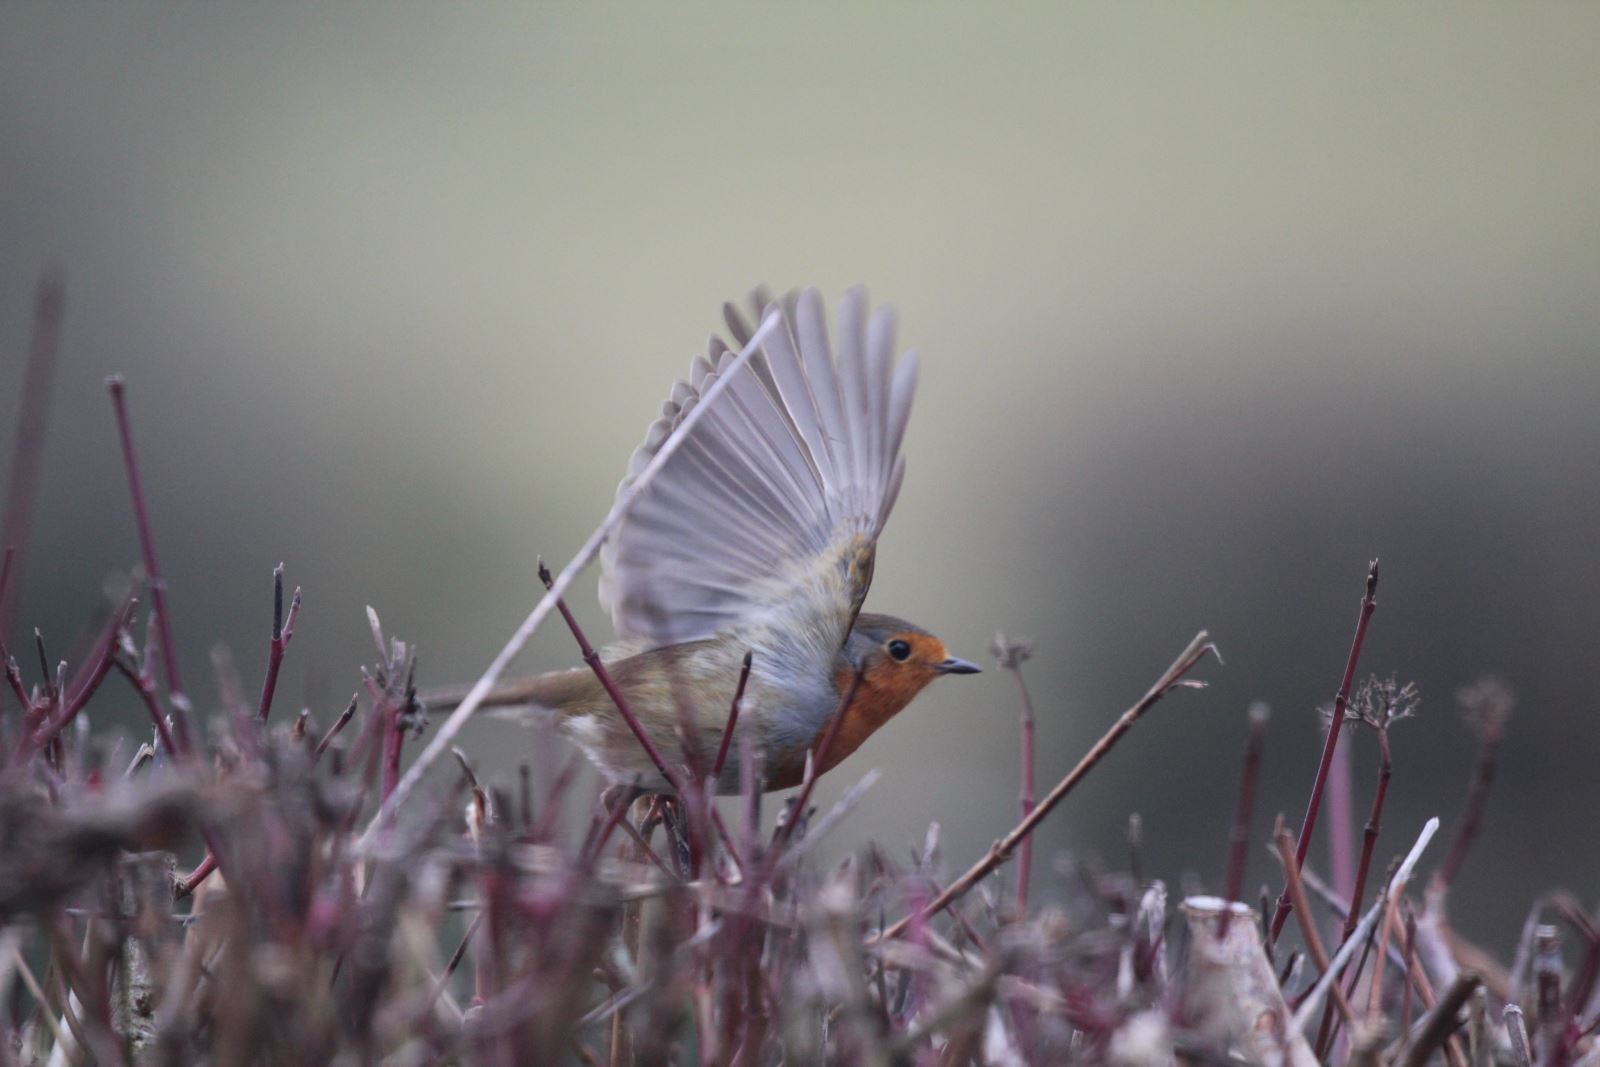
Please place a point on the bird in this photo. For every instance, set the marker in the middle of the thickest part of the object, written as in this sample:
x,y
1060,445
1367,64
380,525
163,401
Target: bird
x,y
750,556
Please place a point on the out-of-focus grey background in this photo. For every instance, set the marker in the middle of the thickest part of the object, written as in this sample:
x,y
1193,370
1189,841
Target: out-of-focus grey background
x,y
1215,305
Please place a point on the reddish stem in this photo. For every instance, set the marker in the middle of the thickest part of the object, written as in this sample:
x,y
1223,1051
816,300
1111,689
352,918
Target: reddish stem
x,y
733,719
6,559
339,724
282,631
1583,983
1028,792
550,813
70,706
198,875
1369,602
592,658
454,962
1369,836
646,851
1369,841
1410,957
14,679
1239,838
23,480
593,848
1172,678
158,585
1472,812
394,736
145,686
1308,924
819,756
1341,816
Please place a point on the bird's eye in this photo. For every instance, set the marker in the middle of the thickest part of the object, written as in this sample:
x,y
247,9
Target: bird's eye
x,y
899,650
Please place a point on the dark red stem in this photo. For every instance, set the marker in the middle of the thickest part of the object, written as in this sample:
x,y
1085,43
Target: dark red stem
x,y
145,686
1239,837
23,481
1583,982
597,845
1369,602
1369,841
198,875
1472,812
1369,835
8,555
733,719
819,756
282,631
14,679
1027,793
454,962
394,736
592,658
1409,961
158,585
69,706
339,724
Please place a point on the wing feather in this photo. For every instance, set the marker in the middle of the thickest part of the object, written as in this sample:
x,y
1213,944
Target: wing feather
x,y
852,377
901,390
880,352
774,501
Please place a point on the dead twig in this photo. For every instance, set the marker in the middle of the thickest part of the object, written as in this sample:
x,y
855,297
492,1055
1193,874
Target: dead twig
x,y
22,482
158,585
445,735
1239,836
1369,603
1011,653
1172,678
1308,925
1441,1020
282,631
1487,703
1313,1000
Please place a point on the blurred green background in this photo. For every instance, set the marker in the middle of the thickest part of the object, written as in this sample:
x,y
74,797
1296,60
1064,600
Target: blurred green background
x,y
1215,303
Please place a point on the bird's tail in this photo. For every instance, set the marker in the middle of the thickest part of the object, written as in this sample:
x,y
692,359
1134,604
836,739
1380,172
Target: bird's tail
x,y
519,698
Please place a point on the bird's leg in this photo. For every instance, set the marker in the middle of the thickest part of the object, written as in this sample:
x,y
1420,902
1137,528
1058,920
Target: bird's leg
x,y
672,818
615,799
619,795
632,912
648,813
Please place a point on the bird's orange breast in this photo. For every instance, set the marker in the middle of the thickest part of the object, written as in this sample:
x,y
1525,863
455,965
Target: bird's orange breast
x,y
883,693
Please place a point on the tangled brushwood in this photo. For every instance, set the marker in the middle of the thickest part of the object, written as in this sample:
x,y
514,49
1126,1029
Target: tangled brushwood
x,y
253,886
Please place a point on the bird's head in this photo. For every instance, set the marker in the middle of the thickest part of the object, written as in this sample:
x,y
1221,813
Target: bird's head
x,y
897,656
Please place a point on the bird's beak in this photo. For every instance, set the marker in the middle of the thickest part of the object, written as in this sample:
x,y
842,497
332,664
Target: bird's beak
x,y
958,666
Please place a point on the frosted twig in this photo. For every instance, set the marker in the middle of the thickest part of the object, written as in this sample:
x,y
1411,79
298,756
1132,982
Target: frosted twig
x,y
1313,1000
447,731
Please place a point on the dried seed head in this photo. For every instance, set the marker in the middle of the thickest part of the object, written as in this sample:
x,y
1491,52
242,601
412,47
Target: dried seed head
x,y
1378,703
1010,652
1487,703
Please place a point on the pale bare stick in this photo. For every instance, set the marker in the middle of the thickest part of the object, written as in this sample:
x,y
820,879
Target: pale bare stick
x,y
1172,678
440,744
1313,1001
1517,1031
1284,843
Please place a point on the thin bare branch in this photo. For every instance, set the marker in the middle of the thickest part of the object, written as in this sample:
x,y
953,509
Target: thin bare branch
x,y
22,482
1172,678
445,735
1313,1000
1369,603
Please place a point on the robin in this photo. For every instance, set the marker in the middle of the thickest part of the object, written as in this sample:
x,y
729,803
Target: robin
x,y
757,537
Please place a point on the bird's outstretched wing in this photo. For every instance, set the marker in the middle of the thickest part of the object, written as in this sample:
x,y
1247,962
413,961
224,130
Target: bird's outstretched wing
x,y
770,510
